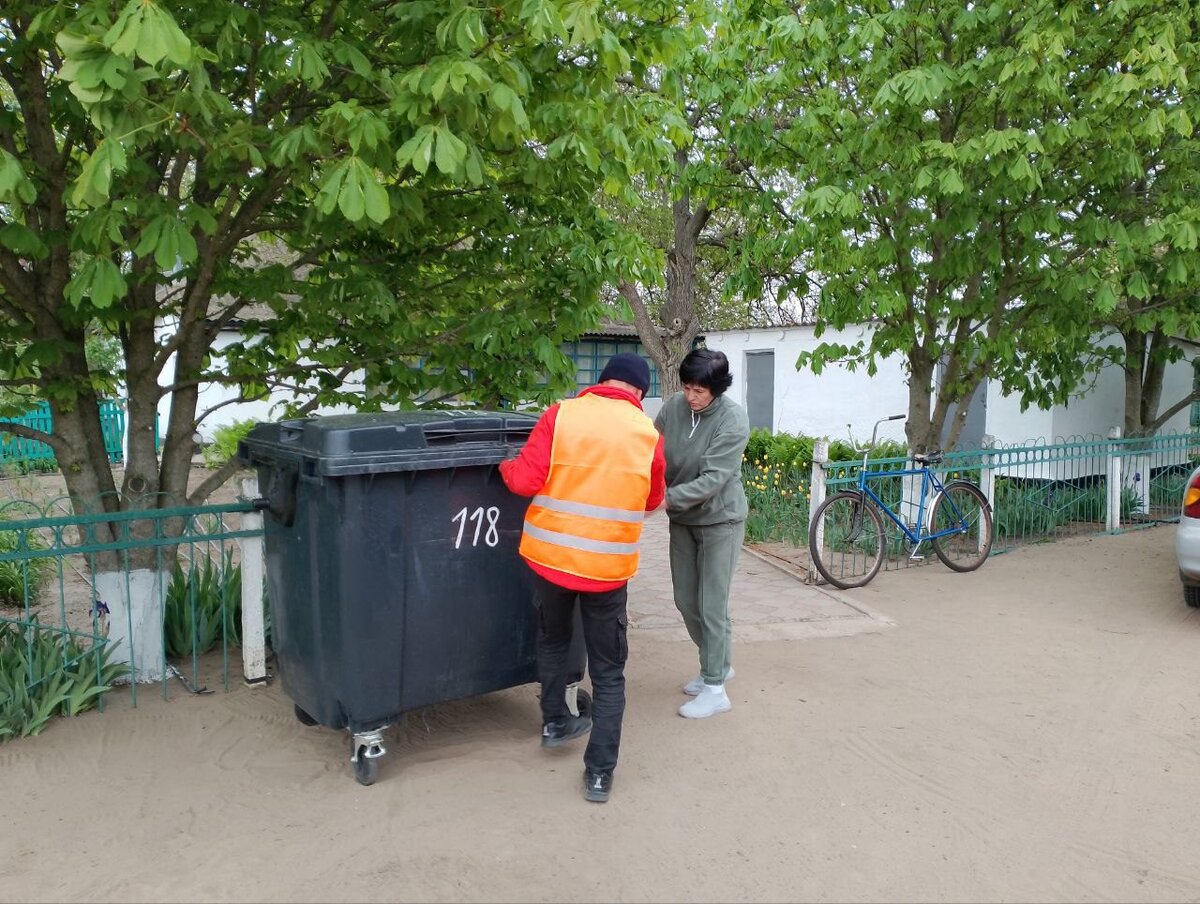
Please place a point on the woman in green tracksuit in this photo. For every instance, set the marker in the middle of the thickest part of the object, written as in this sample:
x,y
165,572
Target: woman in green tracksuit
x,y
705,434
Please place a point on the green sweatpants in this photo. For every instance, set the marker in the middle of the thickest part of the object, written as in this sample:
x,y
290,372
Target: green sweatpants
x,y
703,558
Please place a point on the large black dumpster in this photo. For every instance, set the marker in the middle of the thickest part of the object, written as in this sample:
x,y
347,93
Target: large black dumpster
x,y
392,568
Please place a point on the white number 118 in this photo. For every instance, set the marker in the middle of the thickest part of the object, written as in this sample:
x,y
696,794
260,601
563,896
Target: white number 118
x,y
491,537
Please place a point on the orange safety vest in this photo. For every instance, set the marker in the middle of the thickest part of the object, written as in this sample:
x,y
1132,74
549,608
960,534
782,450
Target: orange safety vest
x,y
587,520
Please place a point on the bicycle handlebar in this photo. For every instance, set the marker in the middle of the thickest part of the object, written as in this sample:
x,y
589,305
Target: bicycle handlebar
x,y
874,432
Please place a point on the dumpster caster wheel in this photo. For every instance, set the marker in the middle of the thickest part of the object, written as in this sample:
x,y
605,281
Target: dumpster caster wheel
x,y
366,769
365,750
303,717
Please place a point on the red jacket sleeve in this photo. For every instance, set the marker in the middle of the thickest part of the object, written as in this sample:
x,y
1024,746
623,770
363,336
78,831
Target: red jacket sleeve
x,y
526,474
658,477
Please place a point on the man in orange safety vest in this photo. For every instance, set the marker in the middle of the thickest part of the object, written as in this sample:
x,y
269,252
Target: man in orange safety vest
x,y
594,466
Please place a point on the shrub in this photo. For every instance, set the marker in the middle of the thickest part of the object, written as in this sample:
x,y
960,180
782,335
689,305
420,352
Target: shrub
x,y
841,450
225,442
777,472
781,449
19,467
44,673
791,451
20,580
1036,509
759,442
202,607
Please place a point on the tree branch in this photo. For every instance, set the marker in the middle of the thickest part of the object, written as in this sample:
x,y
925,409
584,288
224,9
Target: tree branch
x,y
17,285
1183,403
641,317
209,484
29,433
236,400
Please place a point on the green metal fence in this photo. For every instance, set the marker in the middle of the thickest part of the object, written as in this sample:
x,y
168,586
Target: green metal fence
x,y
79,580
1041,492
20,449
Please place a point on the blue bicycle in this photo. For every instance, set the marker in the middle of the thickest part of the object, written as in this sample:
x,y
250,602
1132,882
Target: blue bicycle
x,y
846,537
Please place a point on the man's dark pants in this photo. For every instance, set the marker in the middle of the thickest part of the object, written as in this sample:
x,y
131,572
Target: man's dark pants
x,y
605,622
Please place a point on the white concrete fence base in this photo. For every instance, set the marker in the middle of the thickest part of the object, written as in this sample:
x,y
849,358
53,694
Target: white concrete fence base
x,y
254,643
135,618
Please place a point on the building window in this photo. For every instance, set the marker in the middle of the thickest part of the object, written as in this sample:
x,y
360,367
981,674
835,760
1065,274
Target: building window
x,y
590,356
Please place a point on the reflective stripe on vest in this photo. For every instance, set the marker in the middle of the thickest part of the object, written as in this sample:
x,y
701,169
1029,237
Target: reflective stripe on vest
x,y
587,521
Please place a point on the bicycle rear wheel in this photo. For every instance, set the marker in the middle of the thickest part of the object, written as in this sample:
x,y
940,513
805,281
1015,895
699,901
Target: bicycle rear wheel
x,y
845,540
962,505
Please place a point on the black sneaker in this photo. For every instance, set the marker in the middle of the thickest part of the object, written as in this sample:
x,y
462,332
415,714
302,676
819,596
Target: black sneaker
x,y
596,786
555,734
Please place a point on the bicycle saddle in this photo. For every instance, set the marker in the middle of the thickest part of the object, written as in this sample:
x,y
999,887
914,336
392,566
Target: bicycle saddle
x,y
929,458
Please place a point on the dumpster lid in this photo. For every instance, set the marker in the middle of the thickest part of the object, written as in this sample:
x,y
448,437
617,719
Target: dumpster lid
x,y
346,444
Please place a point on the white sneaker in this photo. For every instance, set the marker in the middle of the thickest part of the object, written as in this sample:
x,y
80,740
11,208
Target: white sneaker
x,y
711,701
696,685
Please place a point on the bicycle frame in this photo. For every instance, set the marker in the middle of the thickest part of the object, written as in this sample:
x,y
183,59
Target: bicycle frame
x,y
929,481
917,534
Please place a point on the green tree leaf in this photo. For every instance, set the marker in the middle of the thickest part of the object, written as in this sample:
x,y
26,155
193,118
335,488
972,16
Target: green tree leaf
x,y
992,153
451,152
98,281
15,186
263,165
95,177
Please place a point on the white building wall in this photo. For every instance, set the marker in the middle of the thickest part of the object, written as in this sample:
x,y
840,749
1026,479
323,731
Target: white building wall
x,y
823,405
1091,412
835,404
1009,424
212,395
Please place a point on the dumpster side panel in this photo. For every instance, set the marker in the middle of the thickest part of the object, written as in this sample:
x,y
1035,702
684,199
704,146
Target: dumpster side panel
x,y
371,597
474,589
393,573
439,559
305,625
399,590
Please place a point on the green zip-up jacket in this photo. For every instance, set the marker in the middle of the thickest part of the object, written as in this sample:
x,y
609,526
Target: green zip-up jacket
x,y
704,460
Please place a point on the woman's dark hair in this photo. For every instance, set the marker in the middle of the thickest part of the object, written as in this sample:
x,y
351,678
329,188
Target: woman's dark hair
x,y
708,368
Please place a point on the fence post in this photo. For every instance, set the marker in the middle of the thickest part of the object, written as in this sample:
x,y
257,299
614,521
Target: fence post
x,y
134,597
816,494
254,642
987,477
1112,521
124,433
1141,466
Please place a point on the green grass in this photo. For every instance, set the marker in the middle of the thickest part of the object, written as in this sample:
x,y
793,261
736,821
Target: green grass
x,y
1033,511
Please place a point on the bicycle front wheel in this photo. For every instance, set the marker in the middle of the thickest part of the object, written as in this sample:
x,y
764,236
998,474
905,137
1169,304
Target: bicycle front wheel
x,y
963,508
845,540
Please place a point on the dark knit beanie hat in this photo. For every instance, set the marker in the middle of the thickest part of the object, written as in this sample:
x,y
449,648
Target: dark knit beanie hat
x,y
628,368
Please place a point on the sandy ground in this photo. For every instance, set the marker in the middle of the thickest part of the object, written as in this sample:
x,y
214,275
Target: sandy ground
x,y
1030,732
